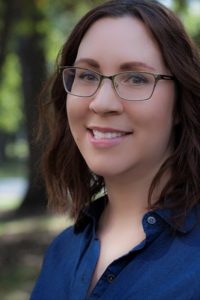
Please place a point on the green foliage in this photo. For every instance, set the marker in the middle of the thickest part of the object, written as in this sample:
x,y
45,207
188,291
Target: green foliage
x,y
11,112
189,12
18,149
180,5
60,18
192,22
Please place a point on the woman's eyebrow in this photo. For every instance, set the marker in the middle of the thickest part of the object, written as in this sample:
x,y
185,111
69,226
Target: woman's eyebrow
x,y
136,65
124,66
89,61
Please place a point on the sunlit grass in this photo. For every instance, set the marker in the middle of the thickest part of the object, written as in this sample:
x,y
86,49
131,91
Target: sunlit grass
x,y
15,295
48,223
8,203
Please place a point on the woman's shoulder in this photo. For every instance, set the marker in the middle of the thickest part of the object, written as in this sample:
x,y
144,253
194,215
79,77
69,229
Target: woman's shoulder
x,y
74,238
62,247
60,259
63,240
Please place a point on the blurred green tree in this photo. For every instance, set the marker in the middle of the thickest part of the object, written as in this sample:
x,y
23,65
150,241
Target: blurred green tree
x,y
189,12
180,6
7,126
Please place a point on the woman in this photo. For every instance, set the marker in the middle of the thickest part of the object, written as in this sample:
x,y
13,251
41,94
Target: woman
x,y
124,156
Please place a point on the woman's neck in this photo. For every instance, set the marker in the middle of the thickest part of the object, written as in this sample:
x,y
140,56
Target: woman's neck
x,y
128,198
128,195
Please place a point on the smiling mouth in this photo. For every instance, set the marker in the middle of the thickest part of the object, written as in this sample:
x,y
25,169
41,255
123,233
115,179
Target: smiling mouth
x,y
107,134
98,135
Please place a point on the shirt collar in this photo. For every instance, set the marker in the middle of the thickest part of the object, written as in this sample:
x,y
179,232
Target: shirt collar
x,y
92,213
189,220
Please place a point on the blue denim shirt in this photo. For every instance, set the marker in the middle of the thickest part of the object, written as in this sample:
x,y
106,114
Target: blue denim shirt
x,y
165,266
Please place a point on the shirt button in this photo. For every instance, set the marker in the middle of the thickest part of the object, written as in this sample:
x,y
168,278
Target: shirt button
x,y
151,220
110,278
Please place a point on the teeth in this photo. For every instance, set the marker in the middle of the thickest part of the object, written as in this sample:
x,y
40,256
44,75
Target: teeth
x,y
106,135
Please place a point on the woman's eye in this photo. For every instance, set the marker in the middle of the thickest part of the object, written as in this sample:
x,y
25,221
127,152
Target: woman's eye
x,y
135,79
88,76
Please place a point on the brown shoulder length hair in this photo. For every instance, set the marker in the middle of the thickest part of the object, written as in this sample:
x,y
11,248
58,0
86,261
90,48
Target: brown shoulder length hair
x,y
70,183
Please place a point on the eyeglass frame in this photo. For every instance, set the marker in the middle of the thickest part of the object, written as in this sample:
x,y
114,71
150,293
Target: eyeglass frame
x,y
156,76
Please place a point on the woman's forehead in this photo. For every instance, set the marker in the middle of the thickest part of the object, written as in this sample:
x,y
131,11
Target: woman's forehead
x,y
120,41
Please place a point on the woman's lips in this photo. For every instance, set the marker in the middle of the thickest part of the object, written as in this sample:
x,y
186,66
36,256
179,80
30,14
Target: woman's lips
x,y
106,137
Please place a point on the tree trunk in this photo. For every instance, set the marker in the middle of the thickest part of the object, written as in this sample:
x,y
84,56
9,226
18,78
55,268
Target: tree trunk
x,y
3,143
33,67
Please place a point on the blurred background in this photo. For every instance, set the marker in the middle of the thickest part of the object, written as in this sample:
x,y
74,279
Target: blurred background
x,y
31,34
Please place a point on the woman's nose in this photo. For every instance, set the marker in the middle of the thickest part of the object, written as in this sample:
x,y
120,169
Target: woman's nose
x,y
106,99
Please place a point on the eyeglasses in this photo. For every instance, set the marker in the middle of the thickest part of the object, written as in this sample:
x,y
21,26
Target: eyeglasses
x,y
130,85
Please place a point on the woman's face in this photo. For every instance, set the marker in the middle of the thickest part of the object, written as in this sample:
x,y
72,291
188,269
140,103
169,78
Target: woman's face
x,y
118,137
